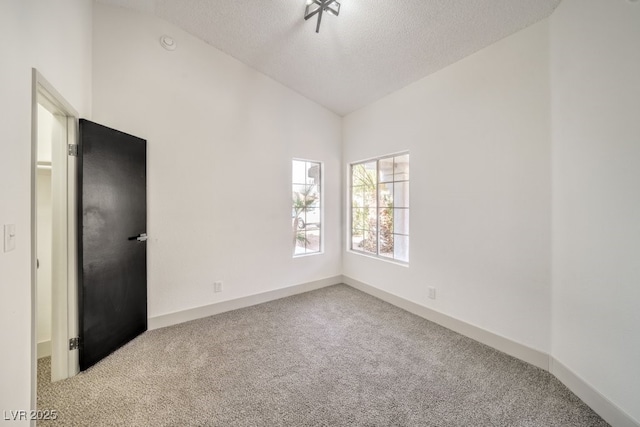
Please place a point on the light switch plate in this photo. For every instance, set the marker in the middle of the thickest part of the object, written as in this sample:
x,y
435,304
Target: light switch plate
x,y
9,237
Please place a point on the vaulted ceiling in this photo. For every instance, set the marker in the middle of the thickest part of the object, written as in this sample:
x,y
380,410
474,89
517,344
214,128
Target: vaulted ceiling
x,y
371,49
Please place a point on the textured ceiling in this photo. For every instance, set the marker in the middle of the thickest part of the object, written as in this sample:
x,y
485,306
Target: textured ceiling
x,y
372,49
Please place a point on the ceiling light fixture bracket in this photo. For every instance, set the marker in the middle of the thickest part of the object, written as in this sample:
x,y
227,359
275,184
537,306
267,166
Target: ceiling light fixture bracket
x,y
317,7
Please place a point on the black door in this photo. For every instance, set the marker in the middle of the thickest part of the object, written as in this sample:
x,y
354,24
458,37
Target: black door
x,y
112,289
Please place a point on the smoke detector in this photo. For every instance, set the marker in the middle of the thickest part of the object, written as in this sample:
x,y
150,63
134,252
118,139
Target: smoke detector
x,y
168,43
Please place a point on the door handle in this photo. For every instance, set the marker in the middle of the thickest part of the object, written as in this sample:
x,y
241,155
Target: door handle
x,y
140,237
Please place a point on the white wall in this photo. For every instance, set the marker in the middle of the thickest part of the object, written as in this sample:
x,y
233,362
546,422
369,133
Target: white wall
x,y
221,137
44,221
481,135
45,131
54,37
479,138
44,231
595,69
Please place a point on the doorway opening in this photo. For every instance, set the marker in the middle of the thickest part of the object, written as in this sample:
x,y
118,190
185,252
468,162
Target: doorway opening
x,y
53,232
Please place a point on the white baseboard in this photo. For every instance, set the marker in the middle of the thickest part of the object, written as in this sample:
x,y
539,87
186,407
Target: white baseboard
x,y
44,349
505,345
592,397
608,410
221,307
611,413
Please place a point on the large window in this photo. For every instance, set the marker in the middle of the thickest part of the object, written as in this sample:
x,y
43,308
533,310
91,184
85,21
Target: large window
x,y
380,207
306,212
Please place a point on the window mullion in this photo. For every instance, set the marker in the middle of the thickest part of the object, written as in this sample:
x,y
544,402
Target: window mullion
x,y
378,207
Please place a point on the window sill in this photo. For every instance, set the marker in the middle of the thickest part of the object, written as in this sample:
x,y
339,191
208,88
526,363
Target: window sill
x,y
307,255
389,260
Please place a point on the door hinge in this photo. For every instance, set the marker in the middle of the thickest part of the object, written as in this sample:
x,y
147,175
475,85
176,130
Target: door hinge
x,y
74,343
73,150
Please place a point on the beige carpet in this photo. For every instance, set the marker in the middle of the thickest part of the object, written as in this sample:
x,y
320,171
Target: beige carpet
x,y
332,357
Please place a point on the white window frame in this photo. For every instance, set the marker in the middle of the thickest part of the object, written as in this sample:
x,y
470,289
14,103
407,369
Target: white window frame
x,y
350,207
320,208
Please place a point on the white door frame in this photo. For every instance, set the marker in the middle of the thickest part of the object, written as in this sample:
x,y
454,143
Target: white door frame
x,y
64,310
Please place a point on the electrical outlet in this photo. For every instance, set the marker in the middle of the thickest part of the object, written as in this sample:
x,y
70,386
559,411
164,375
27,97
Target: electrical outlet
x,y
432,292
217,286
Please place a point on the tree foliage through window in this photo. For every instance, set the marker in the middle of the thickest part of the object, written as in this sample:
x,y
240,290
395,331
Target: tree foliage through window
x,y
306,207
380,207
